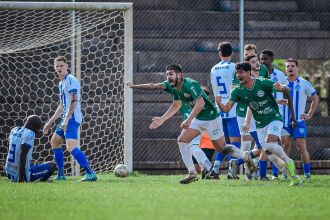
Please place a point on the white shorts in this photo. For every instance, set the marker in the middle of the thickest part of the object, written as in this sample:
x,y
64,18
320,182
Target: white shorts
x,y
241,120
212,127
274,128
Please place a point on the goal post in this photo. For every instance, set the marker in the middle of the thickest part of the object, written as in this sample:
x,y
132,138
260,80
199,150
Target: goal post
x,y
99,41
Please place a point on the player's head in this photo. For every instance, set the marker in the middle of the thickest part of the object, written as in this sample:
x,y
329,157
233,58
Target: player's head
x,y
267,57
206,90
255,66
174,74
291,67
33,123
243,71
250,49
61,66
225,49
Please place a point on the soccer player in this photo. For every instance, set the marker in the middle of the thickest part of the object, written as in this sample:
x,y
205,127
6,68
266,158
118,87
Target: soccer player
x,y
203,116
186,153
221,78
257,94
300,89
207,147
267,58
69,110
251,49
21,144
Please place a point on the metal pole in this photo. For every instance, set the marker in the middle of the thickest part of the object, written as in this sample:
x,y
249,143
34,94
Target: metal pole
x,y
241,30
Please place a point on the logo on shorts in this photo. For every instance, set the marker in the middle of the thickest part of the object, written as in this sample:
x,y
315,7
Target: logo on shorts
x,y
260,93
301,130
215,132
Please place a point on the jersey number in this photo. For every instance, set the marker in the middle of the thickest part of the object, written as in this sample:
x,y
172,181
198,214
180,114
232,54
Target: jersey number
x,y
223,89
12,153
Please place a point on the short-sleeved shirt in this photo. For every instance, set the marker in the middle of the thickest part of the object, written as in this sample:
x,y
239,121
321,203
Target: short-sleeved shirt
x,y
70,85
189,92
221,78
279,76
241,107
300,89
19,136
260,99
185,110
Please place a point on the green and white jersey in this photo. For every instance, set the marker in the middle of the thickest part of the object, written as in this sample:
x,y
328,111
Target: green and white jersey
x,y
189,92
185,110
241,107
260,99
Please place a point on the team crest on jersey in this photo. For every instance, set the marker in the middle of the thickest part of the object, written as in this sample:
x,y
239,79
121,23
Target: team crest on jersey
x,y
186,95
301,130
260,93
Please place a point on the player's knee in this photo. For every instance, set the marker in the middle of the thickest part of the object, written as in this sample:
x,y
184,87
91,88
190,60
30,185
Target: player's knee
x,y
56,141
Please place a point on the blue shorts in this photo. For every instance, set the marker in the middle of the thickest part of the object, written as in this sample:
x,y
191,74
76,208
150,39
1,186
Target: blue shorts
x,y
298,132
40,172
230,127
71,130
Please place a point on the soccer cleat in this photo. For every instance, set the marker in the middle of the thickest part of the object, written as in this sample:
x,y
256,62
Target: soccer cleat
x,y
255,175
263,178
248,177
307,176
274,177
89,178
214,175
191,177
249,162
60,178
291,168
232,173
296,181
284,177
206,174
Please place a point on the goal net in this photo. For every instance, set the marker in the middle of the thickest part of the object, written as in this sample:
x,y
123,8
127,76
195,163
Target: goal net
x,y
96,39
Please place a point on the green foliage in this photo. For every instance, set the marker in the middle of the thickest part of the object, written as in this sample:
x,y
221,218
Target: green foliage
x,y
162,197
279,64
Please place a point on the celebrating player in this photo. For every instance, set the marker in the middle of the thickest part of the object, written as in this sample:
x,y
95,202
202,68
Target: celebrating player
x,y
300,89
21,144
68,128
257,94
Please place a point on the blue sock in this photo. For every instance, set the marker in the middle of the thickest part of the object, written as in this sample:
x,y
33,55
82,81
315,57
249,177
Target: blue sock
x,y
59,159
251,154
239,161
236,144
307,168
275,170
262,168
254,135
82,160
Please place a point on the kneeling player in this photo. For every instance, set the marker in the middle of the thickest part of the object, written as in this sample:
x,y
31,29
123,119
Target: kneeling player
x,y
18,164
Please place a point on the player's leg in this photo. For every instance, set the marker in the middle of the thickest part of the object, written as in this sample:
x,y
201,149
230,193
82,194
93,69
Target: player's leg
x,y
72,136
220,157
42,172
199,155
195,150
286,142
56,142
234,137
299,133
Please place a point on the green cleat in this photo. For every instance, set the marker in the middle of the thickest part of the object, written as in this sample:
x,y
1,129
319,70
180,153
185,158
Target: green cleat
x,y
89,178
60,178
296,181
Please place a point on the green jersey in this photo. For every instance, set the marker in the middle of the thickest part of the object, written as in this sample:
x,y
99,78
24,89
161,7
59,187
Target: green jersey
x,y
241,107
190,91
260,99
185,109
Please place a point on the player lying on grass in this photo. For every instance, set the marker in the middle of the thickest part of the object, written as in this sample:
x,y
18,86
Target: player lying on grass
x,y
21,144
204,116
257,93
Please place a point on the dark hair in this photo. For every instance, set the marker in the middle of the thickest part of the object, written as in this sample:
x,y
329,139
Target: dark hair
x,y
245,66
249,57
225,49
268,52
292,60
61,58
33,123
176,67
250,47
206,90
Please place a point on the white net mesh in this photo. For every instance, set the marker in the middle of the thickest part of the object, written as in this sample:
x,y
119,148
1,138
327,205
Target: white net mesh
x,y
30,41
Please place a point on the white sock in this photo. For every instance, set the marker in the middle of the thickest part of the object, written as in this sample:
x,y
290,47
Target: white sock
x,y
278,151
186,155
216,166
279,163
246,145
200,156
234,151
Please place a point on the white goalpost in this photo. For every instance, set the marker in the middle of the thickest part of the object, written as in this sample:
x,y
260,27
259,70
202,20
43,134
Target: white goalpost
x,y
97,40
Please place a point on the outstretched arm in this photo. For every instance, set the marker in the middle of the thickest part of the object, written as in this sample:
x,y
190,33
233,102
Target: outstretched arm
x,y
158,121
49,123
312,109
224,107
148,86
22,162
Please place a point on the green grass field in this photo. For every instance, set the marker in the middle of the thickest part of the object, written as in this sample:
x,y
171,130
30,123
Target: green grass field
x,y
162,197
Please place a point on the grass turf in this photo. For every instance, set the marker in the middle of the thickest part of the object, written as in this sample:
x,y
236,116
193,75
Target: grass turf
x,y
162,197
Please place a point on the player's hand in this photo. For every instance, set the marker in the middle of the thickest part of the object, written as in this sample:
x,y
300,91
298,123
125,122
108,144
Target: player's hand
x,y
246,126
282,101
218,99
305,117
293,121
278,86
129,84
156,122
46,128
185,124
64,125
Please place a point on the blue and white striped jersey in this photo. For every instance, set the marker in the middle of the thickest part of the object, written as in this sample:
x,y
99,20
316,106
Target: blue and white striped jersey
x,y
279,76
300,89
221,78
70,85
19,136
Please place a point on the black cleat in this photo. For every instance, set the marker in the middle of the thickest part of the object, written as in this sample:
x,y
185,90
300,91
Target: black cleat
x,y
191,177
206,174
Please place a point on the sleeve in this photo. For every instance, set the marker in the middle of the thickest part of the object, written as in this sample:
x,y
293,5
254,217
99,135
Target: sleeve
x,y
195,90
309,89
28,139
167,86
234,97
73,86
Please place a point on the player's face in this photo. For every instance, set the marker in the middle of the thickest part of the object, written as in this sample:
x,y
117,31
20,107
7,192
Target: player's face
x,y
255,66
249,52
61,68
172,77
266,60
243,76
291,69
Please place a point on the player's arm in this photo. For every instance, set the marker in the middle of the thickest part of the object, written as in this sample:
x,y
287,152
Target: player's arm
x,y
22,162
148,86
247,121
224,107
198,107
158,121
315,102
72,106
49,123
